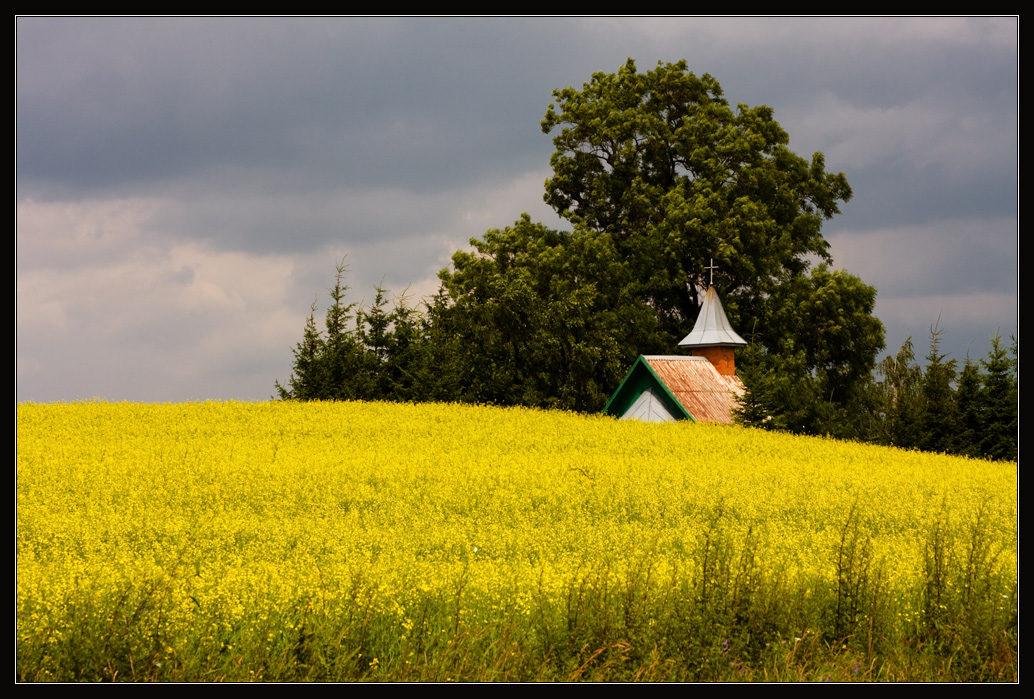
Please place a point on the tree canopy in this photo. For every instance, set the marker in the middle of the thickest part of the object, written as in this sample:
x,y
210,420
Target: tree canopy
x,y
545,318
660,162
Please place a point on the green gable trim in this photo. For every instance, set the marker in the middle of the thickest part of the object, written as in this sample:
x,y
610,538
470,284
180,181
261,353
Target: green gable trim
x,y
638,379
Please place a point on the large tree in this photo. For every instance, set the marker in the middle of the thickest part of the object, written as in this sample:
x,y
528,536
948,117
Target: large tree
x,y
827,318
661,162
544,318
663,165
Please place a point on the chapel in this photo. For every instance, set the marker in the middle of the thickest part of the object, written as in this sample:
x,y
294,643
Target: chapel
x,y
702,387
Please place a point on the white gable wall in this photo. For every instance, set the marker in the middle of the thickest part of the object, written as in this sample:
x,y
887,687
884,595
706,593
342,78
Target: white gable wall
x,y
648,408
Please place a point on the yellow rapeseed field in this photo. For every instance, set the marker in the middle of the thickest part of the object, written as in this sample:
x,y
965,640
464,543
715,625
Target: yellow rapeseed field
x,y
159,533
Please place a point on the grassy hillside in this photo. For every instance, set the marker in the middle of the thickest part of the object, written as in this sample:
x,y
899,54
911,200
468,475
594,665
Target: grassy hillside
x,y
418,542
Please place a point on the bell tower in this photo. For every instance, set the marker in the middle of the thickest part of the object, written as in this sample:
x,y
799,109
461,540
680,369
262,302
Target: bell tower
x,y
712,336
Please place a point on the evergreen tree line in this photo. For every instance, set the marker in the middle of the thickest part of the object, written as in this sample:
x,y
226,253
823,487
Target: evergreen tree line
x,y
504,354
374,353
969,409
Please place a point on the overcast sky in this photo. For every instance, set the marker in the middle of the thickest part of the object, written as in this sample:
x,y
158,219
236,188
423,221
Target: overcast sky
x,y
185,186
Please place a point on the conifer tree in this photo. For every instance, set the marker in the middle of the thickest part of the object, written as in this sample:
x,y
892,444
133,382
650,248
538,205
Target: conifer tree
x,y
342,355
308,380
1000,396
969,400
898,398
938,422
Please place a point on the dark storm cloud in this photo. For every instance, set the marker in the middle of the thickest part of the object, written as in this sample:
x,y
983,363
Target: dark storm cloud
x,y
123,105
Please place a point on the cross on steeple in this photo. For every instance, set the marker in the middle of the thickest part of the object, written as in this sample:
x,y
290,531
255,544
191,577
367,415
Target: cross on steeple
x,y
712,336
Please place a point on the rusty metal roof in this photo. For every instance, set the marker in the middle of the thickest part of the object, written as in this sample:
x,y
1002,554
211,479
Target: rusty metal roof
x,y
712,326
704,393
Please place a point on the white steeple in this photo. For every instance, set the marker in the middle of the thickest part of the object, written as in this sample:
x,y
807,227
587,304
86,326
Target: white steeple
x,y
712,328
